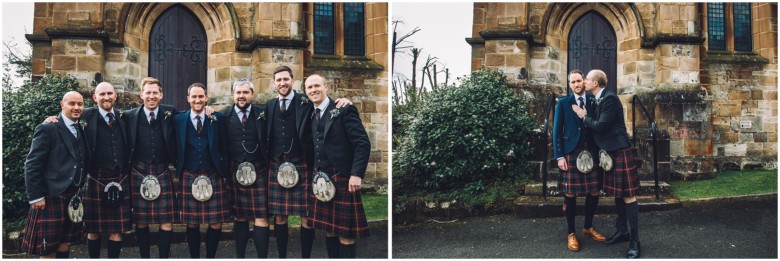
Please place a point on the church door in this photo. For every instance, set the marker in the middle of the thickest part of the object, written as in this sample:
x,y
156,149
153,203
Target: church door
x,y
592,45
177,54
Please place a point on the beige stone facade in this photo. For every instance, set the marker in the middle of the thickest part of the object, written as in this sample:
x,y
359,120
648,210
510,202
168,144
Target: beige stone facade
x,y
716,110
111,42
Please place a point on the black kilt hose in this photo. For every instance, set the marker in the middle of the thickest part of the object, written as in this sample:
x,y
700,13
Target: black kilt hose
x,y
344,214
47,228
214,210
250,202
623,180
289,201
99,218
163,208
574,181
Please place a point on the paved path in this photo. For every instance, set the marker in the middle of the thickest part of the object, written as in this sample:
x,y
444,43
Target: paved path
x,y
713,230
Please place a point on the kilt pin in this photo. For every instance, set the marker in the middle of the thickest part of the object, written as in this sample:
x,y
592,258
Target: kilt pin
x,y
163,208
98,217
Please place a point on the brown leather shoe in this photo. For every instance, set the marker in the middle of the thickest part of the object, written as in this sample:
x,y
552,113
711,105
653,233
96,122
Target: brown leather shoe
x,y
593,234
574,245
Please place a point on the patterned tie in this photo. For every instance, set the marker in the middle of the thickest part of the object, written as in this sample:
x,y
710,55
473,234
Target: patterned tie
x,y
317,114
200,124
284,101
110,119
582,102
74,130
151,117
243,118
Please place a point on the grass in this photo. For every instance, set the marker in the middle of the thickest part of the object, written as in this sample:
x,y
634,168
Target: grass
x,y
374,204
727,183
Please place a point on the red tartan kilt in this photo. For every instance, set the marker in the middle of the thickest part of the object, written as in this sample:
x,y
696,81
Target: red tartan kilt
x,y
250,201
215,210
163,208
289,201
623,180
50,225
344,215
99,218
574,181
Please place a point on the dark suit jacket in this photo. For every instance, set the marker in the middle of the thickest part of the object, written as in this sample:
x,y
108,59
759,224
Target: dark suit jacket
x,y
302,112
52,163
254,115
568,127
346,141
91,116
131,119
609,129
215,137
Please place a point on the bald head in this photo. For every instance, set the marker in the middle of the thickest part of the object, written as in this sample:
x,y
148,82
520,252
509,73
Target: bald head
x,y
72,105
316,88
595,81
105,96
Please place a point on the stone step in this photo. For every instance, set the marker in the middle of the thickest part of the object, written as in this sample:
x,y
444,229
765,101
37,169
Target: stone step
x,y
646,187
537,207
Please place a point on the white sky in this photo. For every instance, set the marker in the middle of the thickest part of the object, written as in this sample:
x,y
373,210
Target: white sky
x,y
444,28
17,17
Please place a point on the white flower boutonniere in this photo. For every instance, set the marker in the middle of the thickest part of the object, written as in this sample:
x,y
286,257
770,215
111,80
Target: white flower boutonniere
x,y
213,118
83,124
261,116
304,100
334,113
598,101
167,114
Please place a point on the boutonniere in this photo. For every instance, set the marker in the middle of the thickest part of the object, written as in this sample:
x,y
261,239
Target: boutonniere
x,y
167,114
334,113
213,118
261,116
120,113
83,124
598,101
304,100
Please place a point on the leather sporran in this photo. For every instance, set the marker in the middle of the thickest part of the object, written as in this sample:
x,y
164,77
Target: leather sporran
x,y
112,194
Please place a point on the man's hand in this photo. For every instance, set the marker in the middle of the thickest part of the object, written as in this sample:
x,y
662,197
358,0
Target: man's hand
x,y
39,205
562,165
51,119
580,112
208,110
342,102
354,184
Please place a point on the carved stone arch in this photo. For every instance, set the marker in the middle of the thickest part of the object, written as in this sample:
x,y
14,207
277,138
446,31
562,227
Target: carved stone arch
x,y
560,17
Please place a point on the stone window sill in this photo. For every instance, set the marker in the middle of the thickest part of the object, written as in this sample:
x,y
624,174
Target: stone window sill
x,y
734,57
335,62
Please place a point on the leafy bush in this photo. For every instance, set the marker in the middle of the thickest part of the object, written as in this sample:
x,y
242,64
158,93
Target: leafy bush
x,y
23,109
467,142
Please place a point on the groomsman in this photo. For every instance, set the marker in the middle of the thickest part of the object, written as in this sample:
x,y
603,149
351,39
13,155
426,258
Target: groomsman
x,y
54,172
622,181
152,147
200,166
247,153
341,151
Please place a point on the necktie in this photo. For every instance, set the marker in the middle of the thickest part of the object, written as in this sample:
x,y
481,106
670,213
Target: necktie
x,y
284,101
200,124
74,130
582,103
151,117
243,118
317,114
110,119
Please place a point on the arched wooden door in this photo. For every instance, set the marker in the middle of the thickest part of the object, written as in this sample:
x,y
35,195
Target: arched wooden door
x,y
177,54
592,45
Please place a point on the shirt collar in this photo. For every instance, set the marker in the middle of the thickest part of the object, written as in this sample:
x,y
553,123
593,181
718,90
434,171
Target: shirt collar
x,y
289,96
156,110
202,115
68,122
584,97
248,109
324,105
104,112
598,95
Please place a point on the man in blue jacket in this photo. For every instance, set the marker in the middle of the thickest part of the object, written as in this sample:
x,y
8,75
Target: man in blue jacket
x,y
570,138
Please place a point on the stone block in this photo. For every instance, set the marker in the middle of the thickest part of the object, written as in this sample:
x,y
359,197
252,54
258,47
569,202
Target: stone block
x,y
222,74
92,63
755,122
694,147
238,72
494,60
39,67
770,95
63,63
515,60
369,107
735,149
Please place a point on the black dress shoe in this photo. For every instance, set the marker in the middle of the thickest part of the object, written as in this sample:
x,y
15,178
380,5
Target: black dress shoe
x,y
633,250
617,238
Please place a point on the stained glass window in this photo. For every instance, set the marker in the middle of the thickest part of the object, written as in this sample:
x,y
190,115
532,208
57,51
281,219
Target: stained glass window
x,y
743,35
323,28
716,28
354,29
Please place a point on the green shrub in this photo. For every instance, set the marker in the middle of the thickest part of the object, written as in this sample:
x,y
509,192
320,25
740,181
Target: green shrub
x,y
467,142
23,109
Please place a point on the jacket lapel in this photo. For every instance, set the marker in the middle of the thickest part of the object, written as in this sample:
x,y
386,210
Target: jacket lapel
x,y
67,136
183,130
209,125
271,110
91,128
327,117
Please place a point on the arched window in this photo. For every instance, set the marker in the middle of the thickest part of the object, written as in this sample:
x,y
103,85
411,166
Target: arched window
x,y
324,29
729,27
339,28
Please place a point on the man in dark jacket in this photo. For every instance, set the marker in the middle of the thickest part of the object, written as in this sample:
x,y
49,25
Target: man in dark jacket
x,y
54,172
622,181
341,151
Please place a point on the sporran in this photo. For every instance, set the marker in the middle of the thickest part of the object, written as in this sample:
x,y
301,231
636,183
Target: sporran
x,y
245,174
75,209
201,188
112,193
287,175
323,187
605,161
585,161
150,188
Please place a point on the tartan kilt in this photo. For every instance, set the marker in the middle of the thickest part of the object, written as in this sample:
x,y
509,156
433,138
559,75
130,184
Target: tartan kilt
x,y
161,210
249,201
99,218
50,225
623,180
574,181
289,201
343,215
215,210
